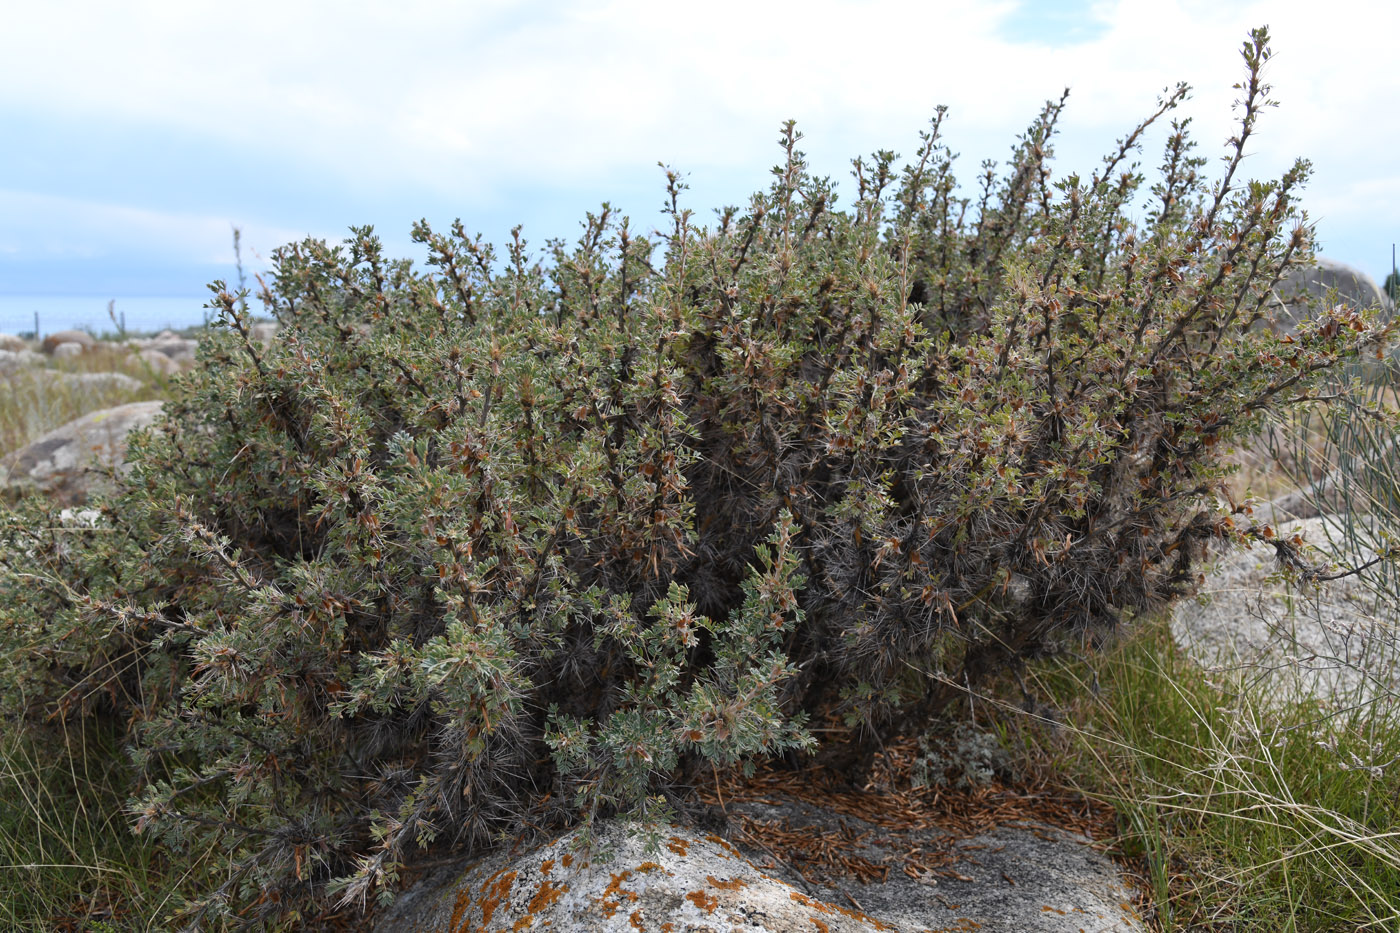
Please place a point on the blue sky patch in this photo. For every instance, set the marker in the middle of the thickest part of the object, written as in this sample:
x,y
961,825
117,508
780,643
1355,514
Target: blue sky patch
x,y
1055,23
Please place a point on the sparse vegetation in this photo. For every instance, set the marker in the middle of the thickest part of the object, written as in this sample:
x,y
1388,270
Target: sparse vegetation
x,y
1250,811
522,543
37,399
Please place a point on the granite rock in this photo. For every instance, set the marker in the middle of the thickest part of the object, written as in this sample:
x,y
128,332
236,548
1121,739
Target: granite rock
x,y
12,360
1027,879
160,364
1322,642
1301,293
64,463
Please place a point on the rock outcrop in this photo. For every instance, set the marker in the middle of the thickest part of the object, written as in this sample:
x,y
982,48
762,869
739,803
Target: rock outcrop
x,y
88,384
65,463
1303,291
1026,879
178,351
81,337
1323,643
159,363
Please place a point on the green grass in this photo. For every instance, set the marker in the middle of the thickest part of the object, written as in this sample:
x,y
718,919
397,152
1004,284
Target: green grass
x,y
68,859
1249,812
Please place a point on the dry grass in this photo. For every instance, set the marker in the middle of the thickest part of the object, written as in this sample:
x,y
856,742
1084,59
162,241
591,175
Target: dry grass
x,y
37,399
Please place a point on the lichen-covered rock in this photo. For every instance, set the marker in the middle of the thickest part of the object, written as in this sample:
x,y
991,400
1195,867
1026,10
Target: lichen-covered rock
x,y
61,463
1013,880
691,884
1021,877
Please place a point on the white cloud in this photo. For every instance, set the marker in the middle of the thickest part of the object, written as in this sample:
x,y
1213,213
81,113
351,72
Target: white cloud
x,y
48,227
469,98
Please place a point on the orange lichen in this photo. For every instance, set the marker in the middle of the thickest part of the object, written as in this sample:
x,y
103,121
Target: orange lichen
x,y
493,891
636,920
610,900
668,927
820,925
703,900
724,845
568,859
546,896
650,866
464,900
824,908
679,846
733,884
546,867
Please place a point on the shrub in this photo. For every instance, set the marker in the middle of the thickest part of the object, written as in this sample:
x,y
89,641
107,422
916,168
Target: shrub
x,y
507,544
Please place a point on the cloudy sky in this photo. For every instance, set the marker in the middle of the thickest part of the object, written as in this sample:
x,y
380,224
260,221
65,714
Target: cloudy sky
x,y
134,135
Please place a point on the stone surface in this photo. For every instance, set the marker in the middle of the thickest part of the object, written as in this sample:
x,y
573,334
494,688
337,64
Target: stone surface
x,y
67,350
1023,876
161,364
172,344
1023,879
12,343
81,337
89,383
1302,292
60,463
183,361
1328,642
11,360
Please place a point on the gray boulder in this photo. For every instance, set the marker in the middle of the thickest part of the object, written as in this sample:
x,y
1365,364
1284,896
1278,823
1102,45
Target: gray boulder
x,y
1027,879
185,360
160,364
80,337
172,344
12,343
61,464
1303,292
67,350
1333,642
89,385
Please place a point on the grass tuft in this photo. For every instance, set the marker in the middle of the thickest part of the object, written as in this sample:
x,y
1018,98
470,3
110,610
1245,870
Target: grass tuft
x,y
1249,811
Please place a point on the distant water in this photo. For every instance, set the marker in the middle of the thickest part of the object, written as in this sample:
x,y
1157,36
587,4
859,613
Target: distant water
x,y
61,312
